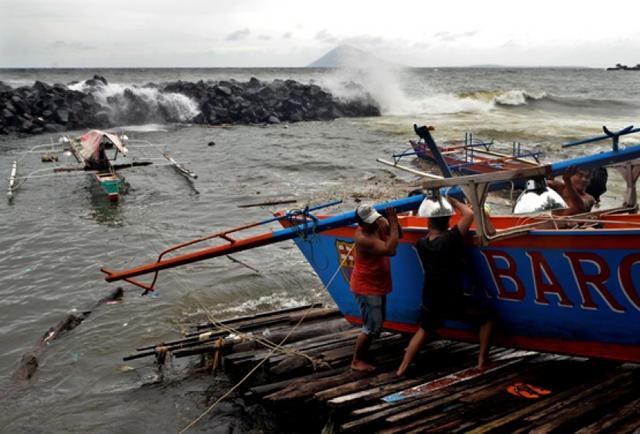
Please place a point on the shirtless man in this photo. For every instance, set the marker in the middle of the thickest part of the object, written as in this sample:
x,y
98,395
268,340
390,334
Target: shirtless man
x,y
573,188
376,240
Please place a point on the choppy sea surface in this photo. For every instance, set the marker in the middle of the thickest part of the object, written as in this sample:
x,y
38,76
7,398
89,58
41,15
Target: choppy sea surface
x,y
59,231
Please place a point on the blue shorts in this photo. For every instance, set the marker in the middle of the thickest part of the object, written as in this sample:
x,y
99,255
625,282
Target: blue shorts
x,y
372,309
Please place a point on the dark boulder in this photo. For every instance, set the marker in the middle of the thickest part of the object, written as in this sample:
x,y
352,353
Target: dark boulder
x,y
19,103
223,90
62,115
254,82
26,125
5,87
296,116
96,81
53,128
42,87
44,107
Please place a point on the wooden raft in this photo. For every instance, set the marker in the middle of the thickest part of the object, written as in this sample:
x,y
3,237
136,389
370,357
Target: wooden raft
x,y
312,388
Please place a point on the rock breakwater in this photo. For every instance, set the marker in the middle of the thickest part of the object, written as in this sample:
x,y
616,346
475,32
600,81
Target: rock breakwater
x,y
95,103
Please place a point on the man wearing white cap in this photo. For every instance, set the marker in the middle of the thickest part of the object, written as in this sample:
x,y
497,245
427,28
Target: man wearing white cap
x,y
376,240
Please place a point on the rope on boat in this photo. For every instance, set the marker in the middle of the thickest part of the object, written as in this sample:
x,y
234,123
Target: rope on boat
x,y
263,341
277,347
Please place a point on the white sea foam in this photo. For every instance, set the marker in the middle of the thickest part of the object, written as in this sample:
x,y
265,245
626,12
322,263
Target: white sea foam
x,y
383,82
159,105
145,128
517,97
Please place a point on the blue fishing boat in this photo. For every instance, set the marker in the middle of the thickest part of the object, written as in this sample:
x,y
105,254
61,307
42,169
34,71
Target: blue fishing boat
x,y
566,284
471,156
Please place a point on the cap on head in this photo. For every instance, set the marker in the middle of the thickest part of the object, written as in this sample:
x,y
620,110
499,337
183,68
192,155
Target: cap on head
x,y
368,214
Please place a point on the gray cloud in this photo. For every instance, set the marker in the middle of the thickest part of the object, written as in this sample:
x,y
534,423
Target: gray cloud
x,y
238,35
325,36
71,45
287,35
452,37
364,41
420,45
264,37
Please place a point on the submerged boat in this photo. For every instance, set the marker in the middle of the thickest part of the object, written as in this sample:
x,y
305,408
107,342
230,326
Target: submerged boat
x,y
566,284
90,152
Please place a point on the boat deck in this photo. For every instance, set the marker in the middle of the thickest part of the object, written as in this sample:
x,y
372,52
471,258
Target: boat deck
x,y
309,385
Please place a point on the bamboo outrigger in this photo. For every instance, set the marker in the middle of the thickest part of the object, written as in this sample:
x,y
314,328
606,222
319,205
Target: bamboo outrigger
x,y
471,157
554,288
90,153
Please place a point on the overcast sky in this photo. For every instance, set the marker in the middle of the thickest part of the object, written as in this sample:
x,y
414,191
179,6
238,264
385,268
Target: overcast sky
x,y
211,33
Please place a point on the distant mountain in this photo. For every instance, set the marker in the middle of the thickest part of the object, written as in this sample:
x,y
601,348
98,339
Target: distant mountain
x,y
345,55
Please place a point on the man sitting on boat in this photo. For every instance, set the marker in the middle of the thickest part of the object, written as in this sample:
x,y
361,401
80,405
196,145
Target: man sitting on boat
x,y
376,240
573,189
441,253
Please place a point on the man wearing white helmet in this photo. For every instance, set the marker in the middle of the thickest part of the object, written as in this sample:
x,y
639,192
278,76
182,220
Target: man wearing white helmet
x,y
376,240
441,252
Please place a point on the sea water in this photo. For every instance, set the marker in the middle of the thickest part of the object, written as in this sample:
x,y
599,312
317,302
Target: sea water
x,y
59,232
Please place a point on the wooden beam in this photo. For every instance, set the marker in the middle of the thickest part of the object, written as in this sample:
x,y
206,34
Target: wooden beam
x,y
504,175
409,169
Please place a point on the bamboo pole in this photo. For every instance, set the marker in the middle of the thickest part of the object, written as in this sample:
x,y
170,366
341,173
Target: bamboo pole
x,y
12,180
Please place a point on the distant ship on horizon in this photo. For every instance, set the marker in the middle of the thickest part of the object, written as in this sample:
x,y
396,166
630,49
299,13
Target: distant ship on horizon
x,y
621,67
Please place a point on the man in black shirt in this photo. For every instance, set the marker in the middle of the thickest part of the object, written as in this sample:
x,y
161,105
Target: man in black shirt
x,y
441,252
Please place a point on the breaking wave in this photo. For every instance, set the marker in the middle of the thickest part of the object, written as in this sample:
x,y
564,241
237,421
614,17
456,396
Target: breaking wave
x,y
384,83
131,104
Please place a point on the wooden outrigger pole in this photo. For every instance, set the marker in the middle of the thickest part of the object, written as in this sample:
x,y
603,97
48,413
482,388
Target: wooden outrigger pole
x,y
181,169
12,180
304,223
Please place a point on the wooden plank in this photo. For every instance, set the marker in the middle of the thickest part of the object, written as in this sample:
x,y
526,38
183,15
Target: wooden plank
x,y
269,388
554,402
316,314
273,313
504,175
269,203
328,383
344,400
314,343
460,376
435,351
587,408
311,346
420,425
409,169
442,397
301,388
610,420
500,154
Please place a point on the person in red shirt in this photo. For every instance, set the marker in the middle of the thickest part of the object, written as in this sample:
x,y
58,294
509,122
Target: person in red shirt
x,y
376,240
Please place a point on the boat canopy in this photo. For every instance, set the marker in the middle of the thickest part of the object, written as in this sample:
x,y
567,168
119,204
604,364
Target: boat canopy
x,y
93,144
